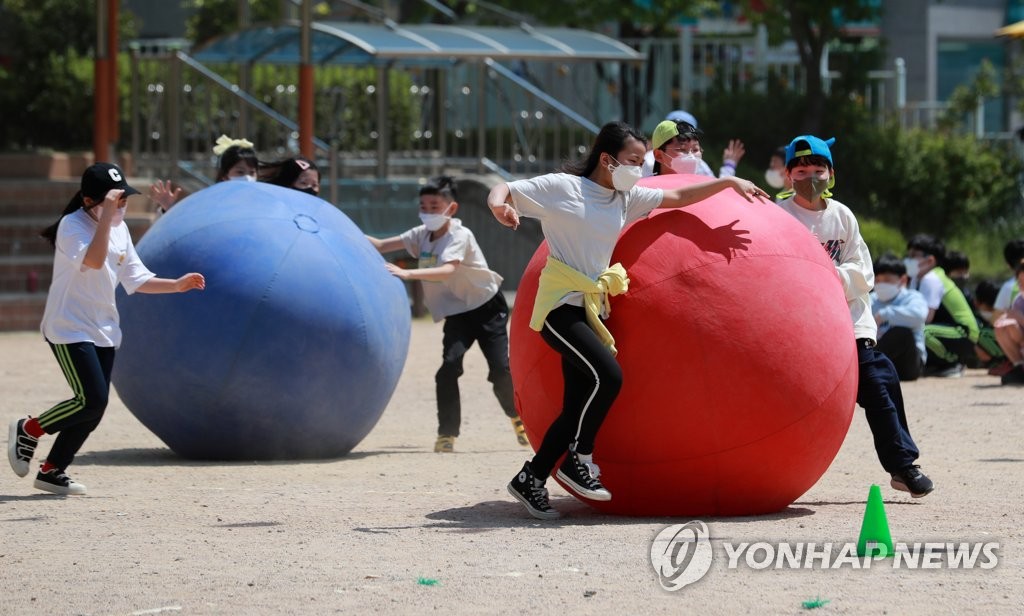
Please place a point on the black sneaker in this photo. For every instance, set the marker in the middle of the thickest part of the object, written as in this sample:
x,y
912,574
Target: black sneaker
x,y
57,481
1014,376
912,480
950,372
20,447
532,494
581,478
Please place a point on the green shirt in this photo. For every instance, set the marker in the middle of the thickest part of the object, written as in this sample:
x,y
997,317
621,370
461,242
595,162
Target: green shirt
x,y
954,309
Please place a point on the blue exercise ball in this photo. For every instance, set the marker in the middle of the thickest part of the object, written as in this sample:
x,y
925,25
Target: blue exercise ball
x,y
293,350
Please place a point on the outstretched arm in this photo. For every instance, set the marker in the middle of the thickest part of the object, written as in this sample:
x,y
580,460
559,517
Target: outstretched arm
x,y
434,274
688,195
388,244
499,200
179,285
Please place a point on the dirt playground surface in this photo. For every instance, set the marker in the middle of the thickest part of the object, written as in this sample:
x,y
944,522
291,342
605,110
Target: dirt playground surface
x,y
396,528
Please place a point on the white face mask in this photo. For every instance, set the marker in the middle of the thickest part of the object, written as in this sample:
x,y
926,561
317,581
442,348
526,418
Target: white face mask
x,y
986,314
243,178
116,219
774,178
688,163
433,222
913,267
886,291
625,177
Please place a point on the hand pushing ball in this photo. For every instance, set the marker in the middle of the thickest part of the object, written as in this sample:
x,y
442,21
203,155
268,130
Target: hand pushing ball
x,y
739,363
294,348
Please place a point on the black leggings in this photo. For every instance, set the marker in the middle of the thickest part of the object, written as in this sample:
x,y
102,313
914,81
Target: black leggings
x,y
87,369
592,381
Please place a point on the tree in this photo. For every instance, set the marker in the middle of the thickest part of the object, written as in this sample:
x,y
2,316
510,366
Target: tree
x,y
213,18
47,75
812,25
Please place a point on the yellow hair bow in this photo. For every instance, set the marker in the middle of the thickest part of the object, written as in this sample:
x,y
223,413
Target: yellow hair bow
x,y
224,142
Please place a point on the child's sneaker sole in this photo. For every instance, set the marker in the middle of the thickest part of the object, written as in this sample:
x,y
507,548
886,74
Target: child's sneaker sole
x,y
902,487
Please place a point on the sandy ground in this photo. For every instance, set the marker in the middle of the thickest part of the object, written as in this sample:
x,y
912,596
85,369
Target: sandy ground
x,y
158,534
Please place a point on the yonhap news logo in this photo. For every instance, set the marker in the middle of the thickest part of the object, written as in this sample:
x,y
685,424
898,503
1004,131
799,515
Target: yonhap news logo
x,y
682,554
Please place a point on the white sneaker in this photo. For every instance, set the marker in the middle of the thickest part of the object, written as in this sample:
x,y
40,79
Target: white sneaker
x,y
21,446
58,482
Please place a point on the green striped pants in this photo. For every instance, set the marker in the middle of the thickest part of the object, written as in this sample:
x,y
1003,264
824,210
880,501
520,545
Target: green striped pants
x,y
87,369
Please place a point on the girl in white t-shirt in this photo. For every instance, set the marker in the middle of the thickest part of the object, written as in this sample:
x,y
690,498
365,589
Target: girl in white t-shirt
x,y
93,253
582,211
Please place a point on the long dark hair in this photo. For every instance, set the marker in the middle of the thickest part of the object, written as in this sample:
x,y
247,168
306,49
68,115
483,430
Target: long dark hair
x,y
285,172
610,140
50,233
234,155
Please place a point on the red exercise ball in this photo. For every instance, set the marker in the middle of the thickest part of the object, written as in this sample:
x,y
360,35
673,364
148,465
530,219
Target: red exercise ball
x,y
739,363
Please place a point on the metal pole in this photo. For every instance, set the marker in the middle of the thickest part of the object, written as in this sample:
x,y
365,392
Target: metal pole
x,y
115,94
244,70
134,97
901,91
101,96
685,67
306,84
979,118
901,83
481,117
333,172
760,59
383,129
441,111
174,116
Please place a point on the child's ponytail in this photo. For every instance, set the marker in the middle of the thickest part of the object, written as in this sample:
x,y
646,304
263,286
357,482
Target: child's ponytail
x,y
50,233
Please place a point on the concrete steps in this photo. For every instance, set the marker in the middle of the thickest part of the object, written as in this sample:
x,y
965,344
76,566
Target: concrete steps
x,y
27,205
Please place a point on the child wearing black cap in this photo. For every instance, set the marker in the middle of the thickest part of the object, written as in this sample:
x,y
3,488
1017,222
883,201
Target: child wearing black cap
x,y
93,253
296,172
809,168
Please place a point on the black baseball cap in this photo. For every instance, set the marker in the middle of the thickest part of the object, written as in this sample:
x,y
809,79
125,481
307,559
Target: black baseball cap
x,y
100,178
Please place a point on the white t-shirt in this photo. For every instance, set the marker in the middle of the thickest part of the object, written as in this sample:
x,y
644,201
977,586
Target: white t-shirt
x,y
839,234
581,219
470,286
1006,295
80,304
930,285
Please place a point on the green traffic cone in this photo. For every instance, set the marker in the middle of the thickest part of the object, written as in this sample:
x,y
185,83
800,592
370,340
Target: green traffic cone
x,y
875,540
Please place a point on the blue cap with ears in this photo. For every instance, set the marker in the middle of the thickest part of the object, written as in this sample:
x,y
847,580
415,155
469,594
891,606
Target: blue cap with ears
x,y
809,145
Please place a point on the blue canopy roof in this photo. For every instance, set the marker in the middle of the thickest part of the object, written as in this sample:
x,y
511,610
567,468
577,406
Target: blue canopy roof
x,y
340,42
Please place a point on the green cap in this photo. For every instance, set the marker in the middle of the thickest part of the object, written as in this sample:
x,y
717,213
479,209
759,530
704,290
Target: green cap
x,y
668,129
